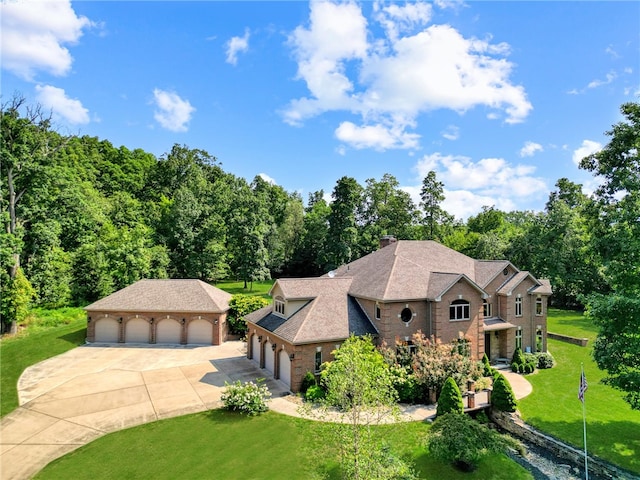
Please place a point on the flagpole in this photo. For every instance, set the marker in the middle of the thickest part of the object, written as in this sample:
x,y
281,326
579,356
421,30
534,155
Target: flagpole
x,y
584,428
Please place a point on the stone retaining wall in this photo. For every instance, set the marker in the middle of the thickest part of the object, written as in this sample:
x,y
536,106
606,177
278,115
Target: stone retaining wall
x,y
566,338
512,423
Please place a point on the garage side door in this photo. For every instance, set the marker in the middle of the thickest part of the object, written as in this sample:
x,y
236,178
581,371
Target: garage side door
x,y
268,357
107,330
255,349
285,368
200,332
168,331
137,331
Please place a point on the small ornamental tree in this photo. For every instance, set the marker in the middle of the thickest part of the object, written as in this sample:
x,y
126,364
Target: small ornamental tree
x,y
239,306
460,440
502,397
450,400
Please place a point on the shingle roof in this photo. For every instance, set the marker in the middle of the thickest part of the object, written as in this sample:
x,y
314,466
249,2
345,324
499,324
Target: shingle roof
x,y
330,313
487,270
405,270
153,295
544,287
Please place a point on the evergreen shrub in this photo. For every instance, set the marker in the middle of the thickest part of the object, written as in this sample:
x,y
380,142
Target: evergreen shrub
x,y
450,399
545,360
502,397
309,380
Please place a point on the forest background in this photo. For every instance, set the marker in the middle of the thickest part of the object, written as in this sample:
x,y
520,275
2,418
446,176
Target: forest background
x,y
84,218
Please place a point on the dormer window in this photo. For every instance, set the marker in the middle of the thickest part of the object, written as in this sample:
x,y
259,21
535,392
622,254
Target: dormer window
x,y
278,305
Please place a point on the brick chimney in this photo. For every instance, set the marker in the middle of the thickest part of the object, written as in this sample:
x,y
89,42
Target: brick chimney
x,y
387,240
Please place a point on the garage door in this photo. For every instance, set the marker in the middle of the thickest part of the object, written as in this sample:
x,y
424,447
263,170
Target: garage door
x,y
107,330
268,357
136,331
200,332
285,368
255,349
168,331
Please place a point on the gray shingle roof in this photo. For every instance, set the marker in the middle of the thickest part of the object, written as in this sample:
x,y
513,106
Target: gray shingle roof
x,y
516,280
330,313
185,295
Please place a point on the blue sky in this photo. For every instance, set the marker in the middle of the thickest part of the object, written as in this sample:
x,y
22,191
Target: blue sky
x,y
499,98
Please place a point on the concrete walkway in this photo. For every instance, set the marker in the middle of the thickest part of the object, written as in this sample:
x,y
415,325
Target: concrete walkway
x,y
74,398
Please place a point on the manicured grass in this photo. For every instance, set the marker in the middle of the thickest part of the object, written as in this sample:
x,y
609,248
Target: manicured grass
x,y
553,407
255,288
219,444
33,346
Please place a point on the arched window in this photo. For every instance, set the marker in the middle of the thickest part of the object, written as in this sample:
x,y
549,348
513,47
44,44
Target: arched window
x,y
459,310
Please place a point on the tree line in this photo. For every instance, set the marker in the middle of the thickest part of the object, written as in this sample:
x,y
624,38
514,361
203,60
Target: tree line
x,y
84,218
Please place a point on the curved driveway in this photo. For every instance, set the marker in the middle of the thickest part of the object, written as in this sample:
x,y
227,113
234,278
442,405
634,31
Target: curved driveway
x,y
74,398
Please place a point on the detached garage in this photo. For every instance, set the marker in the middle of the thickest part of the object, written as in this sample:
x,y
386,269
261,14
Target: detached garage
x,y
160,311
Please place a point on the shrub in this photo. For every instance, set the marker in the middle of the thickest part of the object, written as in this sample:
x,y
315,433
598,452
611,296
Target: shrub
x,y
309,380
529,368
521,368
482,384
545,360
514,367
518,357
531,358
482,418
315,393
450,399
250,398
487,365
502,397
239,306
462,441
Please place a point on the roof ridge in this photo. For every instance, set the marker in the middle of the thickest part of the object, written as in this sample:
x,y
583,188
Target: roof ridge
x,y
312,306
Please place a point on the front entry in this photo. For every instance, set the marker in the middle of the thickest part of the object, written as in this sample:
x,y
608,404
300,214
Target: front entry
x,y
487,344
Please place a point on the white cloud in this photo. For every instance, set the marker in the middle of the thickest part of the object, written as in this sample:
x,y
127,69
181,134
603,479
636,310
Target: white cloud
x,y
34,35
346,69
587,148
63,107
378,137
470,185
530,148
237,45
451,133
267,179
609,77
172,113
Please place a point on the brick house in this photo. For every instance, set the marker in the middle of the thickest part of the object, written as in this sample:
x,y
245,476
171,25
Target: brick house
x,y
182,311
404,287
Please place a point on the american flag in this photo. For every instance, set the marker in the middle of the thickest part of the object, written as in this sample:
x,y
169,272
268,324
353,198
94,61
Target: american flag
x,y
583,387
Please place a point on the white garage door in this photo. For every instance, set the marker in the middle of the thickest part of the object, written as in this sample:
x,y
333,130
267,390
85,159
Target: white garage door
x,y
107,330
136,331
285,368
168,331
200,332
268,357
255,349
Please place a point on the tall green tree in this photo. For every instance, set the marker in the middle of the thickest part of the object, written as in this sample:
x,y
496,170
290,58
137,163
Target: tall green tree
x,y
342,235
614,218
310,257
431,198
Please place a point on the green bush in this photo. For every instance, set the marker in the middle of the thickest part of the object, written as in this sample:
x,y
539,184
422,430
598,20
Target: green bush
x,y
315,393
309,380
487,365
502,397
250,398
450,399
462,441
521,368
482,418
239,306
545,360
531,358
514,367
518,357
529,368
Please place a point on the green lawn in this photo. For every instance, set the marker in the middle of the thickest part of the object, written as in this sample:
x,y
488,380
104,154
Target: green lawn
x,y
38,342
255,288
612,426
224,445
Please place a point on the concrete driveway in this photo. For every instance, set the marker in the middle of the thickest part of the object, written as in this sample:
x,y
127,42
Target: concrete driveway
x,y
74,398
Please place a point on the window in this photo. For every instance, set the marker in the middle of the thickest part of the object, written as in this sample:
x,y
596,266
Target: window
x,y
519,338
539,306
377,312
459,310
486,307
518,306
318,362
406,315
278,305
539,338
